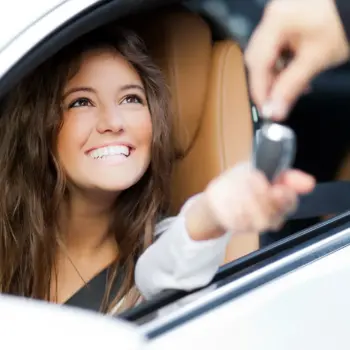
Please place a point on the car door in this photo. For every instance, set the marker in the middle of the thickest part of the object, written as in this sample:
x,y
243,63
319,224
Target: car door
x,y
291,295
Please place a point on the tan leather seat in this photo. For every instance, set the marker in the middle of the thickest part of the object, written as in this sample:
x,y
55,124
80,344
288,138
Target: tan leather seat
x,y
343,173
211,104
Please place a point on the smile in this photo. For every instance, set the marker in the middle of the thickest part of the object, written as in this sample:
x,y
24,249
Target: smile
x,y
110,151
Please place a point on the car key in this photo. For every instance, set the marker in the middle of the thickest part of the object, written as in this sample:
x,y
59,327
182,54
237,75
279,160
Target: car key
x,y
275,149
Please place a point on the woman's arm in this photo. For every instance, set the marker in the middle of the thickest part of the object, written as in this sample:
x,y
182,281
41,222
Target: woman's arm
x,y
176,260
192,246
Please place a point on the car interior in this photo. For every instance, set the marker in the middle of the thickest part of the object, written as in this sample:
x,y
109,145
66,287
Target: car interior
x,y
208,84
221,132
205,71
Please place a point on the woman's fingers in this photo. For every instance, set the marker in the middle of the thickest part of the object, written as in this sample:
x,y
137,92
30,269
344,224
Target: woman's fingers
x,y
297,180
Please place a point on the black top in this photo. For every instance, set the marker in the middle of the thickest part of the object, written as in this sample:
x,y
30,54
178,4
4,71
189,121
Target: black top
x,y
344,13
90,297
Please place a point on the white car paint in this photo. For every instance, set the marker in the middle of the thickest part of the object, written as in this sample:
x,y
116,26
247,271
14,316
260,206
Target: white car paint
x,y
39,21
308,308
16,15
29,324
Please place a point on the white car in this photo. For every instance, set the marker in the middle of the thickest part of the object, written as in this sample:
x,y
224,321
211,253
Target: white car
x,y
293,294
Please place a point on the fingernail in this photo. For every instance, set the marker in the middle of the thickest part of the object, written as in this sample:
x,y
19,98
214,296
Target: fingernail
x,y
274,110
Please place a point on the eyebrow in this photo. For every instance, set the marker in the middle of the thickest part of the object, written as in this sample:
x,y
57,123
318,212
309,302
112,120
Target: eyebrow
x,y
92,90
132,86
77,89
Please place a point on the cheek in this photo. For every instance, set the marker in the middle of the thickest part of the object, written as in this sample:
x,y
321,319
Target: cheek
x,y
142,131
73,135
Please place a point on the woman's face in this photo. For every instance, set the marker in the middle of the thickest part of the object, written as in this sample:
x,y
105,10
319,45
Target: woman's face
x,y
105,140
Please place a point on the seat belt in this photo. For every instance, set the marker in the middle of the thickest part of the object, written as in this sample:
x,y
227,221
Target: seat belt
x,y
328,198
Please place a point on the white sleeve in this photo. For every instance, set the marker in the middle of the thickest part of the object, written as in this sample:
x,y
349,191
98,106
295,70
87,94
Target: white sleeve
x,y
175,261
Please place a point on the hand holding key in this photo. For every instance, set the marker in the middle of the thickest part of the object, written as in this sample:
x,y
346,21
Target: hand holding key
x,y
252,197
243,200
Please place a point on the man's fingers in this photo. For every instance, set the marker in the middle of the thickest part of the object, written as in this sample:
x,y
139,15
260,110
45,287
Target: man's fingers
x,y
261,61
290,83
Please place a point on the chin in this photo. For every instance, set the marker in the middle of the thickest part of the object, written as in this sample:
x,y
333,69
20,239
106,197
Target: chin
x,y
116,184
114,188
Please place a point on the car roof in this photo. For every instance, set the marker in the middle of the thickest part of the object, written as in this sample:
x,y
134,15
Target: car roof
x,y
16,21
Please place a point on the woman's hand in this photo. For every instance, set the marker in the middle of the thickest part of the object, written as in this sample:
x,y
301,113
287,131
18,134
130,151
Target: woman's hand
x,y
242,200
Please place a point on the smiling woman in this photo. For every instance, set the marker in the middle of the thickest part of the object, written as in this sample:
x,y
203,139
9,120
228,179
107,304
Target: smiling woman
x,y
104,147
88,119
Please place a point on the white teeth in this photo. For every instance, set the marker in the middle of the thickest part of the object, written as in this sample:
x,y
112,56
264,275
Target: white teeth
x,y
110,151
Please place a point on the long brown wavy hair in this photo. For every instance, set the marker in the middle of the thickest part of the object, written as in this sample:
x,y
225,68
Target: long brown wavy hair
x,y
34,184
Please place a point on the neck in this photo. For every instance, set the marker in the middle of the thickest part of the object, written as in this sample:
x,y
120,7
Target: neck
x,y
84,222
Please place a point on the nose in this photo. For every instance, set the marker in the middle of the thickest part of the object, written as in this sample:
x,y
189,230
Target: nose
x,y
110,120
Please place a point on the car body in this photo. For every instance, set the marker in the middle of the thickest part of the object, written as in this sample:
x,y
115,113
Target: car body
x,y
292,294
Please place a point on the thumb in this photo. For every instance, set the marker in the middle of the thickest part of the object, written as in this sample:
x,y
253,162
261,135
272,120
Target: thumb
x,y
290,83
296,180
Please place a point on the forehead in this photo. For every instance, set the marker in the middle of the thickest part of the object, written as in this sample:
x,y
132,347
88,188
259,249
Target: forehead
x,y
104,65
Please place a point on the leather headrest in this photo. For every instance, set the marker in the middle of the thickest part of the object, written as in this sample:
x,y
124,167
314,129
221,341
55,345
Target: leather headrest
x,y
180,43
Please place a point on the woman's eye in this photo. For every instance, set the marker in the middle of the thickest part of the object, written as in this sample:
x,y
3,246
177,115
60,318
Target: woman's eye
x,y
81,102
133,99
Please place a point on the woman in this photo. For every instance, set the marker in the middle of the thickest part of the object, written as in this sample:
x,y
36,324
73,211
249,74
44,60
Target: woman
x,y
86,154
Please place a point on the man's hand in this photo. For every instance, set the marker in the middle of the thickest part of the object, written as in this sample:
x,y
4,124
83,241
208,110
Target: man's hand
x,y
311,30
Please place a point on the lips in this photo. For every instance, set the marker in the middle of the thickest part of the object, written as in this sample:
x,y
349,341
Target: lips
x,y
110,151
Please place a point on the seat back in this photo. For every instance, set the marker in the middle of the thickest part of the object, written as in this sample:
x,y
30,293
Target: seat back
x,y
213,121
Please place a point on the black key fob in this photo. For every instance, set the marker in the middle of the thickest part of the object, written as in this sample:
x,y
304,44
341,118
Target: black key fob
x,y
275,149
